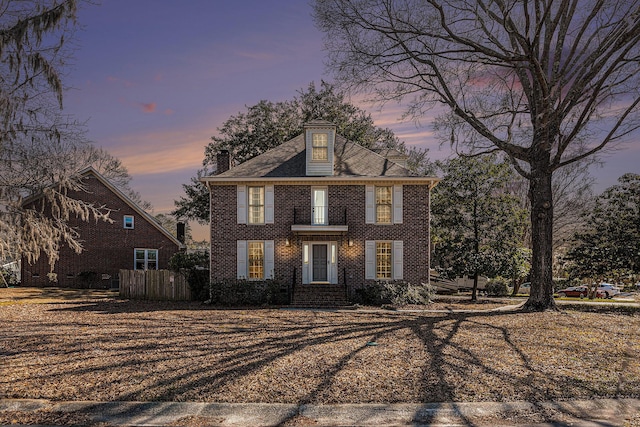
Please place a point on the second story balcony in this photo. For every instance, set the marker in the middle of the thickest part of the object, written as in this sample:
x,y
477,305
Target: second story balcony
x,y
319,219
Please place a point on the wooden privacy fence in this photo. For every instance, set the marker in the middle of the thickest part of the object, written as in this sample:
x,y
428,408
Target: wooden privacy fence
x,y
154,285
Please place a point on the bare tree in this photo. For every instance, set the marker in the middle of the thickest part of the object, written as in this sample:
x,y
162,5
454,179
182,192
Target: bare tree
x,y
39,145
547,82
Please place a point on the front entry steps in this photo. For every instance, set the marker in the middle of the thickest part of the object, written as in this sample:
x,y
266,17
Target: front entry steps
x,y
320,295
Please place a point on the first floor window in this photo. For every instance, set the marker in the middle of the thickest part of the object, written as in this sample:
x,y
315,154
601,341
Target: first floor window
x,y
256,260
146,259
383,260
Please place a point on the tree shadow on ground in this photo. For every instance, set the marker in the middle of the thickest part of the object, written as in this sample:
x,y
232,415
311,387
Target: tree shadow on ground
x,y
130,351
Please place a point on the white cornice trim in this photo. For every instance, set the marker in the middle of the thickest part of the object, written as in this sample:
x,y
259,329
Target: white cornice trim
x,y
314,180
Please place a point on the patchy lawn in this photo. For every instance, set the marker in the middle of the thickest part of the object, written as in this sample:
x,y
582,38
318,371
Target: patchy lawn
x,y
103,348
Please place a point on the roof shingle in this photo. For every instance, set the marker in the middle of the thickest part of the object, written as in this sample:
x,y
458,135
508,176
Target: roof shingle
x,y
288,160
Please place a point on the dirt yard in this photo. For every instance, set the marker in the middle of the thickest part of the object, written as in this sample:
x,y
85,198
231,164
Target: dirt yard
x,y
71,345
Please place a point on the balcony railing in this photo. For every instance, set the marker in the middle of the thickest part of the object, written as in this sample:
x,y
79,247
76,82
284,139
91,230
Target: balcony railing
x,y
320,215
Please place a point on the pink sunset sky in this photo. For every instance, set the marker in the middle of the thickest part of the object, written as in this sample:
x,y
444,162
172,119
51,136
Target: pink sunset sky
x,y
154,79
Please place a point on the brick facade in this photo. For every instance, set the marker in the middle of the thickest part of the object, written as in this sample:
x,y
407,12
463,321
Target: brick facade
x,y
345,201
108,247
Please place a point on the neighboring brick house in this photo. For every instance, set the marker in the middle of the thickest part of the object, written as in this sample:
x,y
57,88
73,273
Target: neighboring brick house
x,y
134,240
323,214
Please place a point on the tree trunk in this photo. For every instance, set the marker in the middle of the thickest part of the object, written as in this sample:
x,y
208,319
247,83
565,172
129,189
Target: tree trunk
x,y
541,296
474,291
516,286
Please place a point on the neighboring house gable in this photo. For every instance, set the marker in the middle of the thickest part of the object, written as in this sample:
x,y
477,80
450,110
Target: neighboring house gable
x,y
364,219
134,240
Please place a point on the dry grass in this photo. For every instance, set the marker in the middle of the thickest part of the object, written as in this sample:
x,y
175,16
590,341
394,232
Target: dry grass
x,y
108,349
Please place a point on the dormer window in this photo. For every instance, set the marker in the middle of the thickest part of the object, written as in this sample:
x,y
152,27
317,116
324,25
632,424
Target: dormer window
x,y
320,147
320,139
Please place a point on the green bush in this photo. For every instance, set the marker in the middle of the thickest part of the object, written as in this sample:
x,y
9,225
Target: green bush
x,y
370,295
396,293
403,293
498,287
233,293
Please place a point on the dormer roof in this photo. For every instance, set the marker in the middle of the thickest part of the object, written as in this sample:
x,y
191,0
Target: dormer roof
x,y
288,161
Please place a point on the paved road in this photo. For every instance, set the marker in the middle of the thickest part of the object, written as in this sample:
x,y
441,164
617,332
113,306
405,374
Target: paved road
x,y
586,413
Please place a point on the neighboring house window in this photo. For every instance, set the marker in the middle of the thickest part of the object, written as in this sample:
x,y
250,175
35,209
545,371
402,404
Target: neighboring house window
x,y
384,259
383,204
146,259
255,259
320,147
255,204
128,222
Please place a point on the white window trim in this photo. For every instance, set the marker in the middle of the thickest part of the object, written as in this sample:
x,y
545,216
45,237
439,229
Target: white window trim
x,y
242,259
325,147
325,208
242,211
396,204
146,258
124,222
397,259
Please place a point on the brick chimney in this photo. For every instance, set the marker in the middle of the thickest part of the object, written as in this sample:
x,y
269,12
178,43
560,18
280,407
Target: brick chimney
x,y
224,161
180,231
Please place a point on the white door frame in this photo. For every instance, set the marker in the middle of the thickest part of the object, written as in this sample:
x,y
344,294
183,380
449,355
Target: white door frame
x,y
332,262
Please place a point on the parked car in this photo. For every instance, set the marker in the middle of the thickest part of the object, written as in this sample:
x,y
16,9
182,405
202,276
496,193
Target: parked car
x,y
609,289
525,288
579,292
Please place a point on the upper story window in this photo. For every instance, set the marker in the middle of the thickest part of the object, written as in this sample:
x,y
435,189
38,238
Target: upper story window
x,y
384,205
128,222
320,147
256,205
320,207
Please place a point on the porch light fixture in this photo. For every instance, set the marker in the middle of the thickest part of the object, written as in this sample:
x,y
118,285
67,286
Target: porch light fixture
x,y
350,242
287,242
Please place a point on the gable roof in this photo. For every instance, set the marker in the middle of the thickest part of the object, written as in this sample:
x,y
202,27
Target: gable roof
x,y
288,161
91,171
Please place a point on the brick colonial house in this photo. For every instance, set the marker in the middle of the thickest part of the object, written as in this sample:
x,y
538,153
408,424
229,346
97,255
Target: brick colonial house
x,y
320,213
135,240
